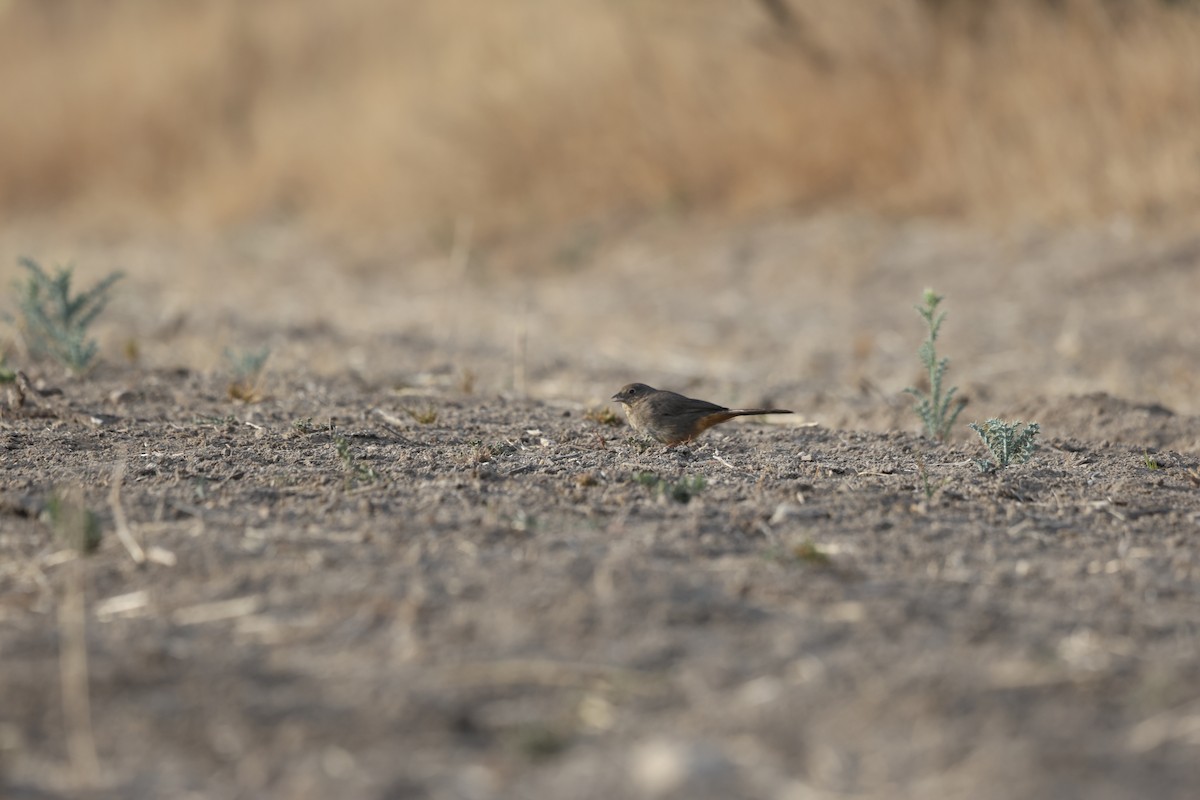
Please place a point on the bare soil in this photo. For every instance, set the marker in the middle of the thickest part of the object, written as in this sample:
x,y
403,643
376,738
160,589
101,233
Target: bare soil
x,y
421,562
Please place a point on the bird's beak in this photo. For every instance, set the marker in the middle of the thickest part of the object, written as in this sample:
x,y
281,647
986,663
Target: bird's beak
x,y
616,398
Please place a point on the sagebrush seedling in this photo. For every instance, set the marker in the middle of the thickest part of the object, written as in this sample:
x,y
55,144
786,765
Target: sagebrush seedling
x,y
938,411
247,367
54,323
681,491
1007,443
354,471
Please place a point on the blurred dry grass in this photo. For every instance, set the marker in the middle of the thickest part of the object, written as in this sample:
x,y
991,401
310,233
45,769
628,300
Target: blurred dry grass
x,y
412,117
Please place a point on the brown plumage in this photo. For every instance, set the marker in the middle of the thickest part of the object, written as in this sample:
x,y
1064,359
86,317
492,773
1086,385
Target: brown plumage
x,y
672,418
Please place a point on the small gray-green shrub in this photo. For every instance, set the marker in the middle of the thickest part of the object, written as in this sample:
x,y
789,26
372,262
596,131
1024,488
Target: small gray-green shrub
x,y
354,471
247,368
681,491
74,524
54,323
937,409
1007,443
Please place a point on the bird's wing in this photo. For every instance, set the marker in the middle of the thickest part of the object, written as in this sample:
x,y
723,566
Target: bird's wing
x,y
676,405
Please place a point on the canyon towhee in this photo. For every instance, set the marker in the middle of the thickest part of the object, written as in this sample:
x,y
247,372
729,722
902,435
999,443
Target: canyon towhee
x,y
672,418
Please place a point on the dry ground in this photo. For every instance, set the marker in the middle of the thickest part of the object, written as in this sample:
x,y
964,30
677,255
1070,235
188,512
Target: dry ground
x,y
419,567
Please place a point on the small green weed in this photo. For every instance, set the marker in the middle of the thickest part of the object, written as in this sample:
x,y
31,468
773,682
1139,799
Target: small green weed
x,y
649,479
1006,442
806,552
131,350
423,416
247,368
73,524
641,443
54,323
480,453
522,522
7,373
927,485
602,416
681,491
355,471
1150,461
539,742
809,552
937,410
466,381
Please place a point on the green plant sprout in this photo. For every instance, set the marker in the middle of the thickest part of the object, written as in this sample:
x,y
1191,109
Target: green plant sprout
x,y
927,485
423,416
247,367
355,471
937,410
74,525
53,322
1006,443
681,491
7,373
810,552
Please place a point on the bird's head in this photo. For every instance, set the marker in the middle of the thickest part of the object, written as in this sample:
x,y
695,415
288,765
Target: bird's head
x,y
631,392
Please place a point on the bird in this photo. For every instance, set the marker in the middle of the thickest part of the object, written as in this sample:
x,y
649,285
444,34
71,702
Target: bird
x,y
672,418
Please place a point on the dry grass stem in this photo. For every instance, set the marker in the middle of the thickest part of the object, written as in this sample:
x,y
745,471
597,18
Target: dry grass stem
x,y
119,521
73,673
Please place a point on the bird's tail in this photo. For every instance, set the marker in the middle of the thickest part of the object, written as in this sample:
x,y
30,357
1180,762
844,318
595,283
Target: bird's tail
x,y
750,412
